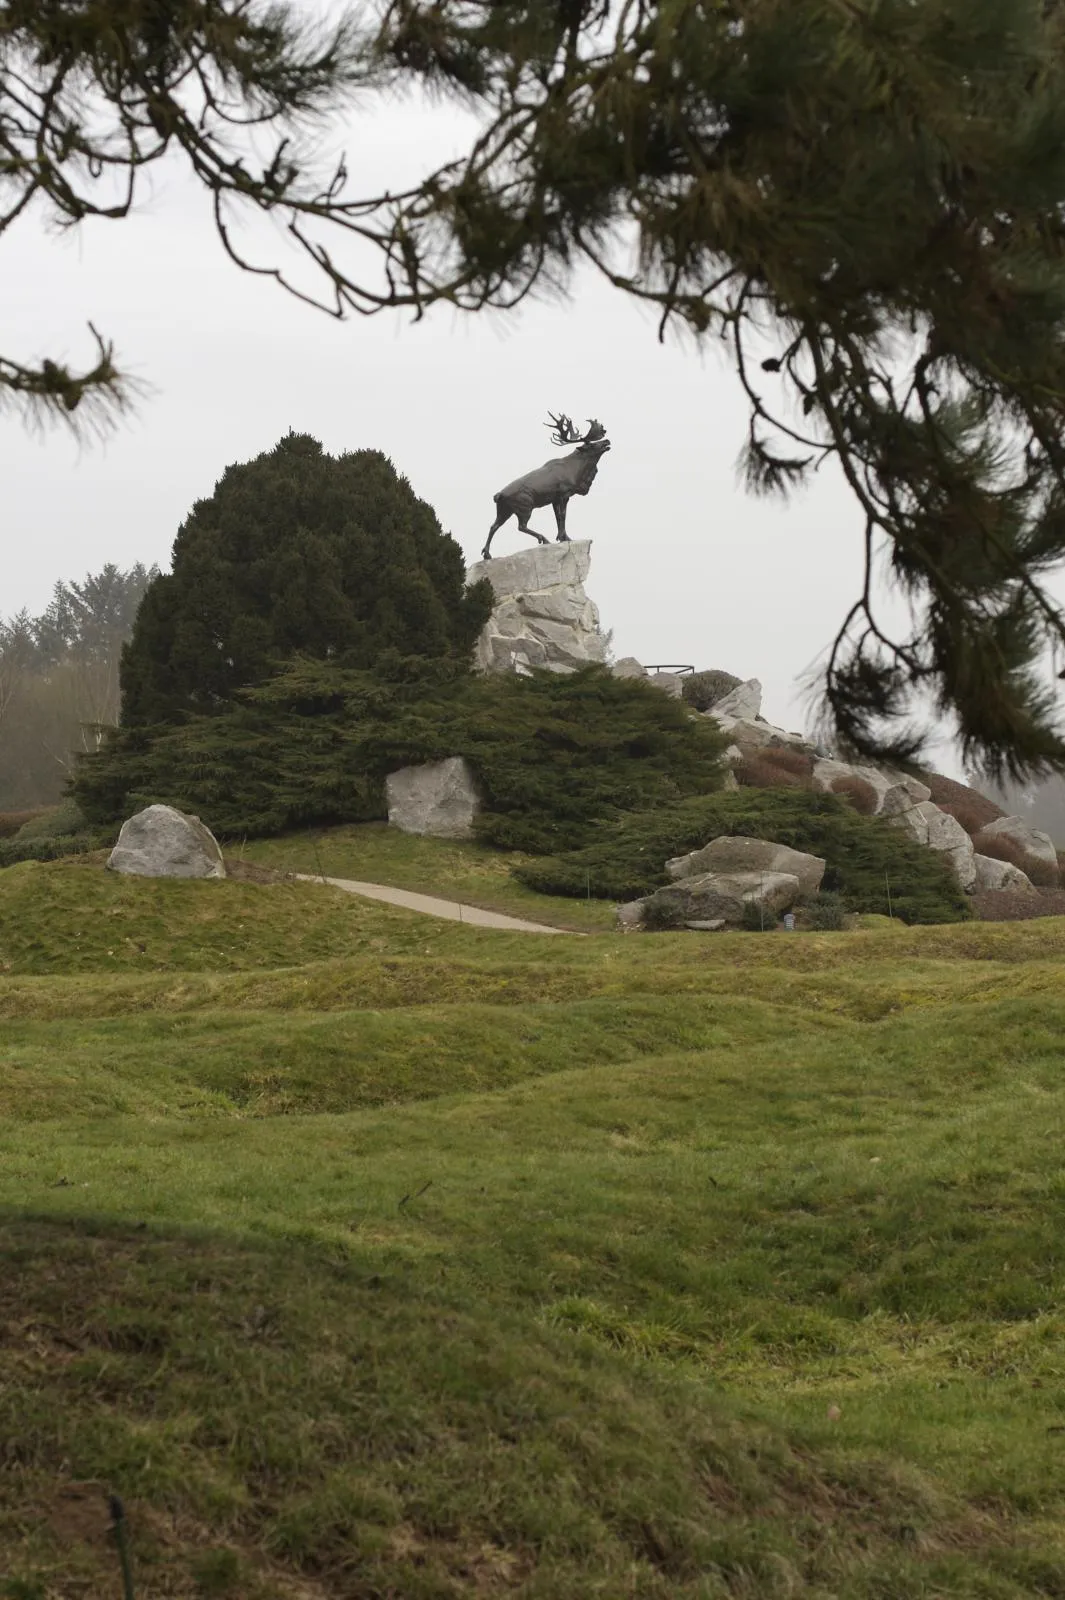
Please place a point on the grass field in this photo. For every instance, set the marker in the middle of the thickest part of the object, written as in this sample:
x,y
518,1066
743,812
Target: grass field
x,y
375,853
366,1255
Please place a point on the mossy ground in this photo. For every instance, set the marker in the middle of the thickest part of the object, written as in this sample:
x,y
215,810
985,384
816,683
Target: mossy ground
x,y
367,1255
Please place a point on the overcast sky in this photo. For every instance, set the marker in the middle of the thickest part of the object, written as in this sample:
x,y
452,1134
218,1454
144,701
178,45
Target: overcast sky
x,y
686,568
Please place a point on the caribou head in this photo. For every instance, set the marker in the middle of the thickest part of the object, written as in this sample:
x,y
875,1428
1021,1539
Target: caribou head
x,y
563,432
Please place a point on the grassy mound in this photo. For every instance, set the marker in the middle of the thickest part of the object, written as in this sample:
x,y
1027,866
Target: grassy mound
x,y
868,858
369,1255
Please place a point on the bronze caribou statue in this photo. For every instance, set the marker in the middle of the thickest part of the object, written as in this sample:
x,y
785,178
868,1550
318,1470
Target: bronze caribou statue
x,y
554,483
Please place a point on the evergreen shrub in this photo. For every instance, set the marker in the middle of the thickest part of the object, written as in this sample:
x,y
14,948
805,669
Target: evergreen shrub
x,y
554,754
57,822
701,690
825,914
625,859
296,553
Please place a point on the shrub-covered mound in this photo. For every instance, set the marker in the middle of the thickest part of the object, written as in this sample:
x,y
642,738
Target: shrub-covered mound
x,y
554,754
867,857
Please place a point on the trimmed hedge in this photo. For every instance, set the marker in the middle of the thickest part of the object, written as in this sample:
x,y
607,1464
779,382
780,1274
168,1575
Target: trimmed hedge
x,y
554,754
626,859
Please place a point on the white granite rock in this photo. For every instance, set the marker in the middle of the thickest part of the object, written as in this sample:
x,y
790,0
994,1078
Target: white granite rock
x,y
1030,841
895,791
751,734
992,874
940,831
542,616
670,683
745,701
733,853
162,842
628,667
439,799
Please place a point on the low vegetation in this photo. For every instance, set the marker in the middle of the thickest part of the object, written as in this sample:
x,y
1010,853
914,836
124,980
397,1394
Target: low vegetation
x,y
553,754
368,1254
872,865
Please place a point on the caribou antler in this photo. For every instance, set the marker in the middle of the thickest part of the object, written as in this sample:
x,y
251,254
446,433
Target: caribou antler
x,y
563,431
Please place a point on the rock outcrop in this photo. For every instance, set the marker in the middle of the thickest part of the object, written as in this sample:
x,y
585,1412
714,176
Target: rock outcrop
x,y
162,842
542,616
439,799
731,854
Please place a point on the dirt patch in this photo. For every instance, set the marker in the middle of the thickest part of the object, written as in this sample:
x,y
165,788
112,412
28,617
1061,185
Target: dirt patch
x,y
78,1513
251,872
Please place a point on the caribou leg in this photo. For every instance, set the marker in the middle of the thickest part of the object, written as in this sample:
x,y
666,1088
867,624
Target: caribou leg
x,y
501,517
559,508
523,525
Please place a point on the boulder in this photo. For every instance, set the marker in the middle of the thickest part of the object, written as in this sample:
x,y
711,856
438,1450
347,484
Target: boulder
x,y
752,734
715,925
439,799
993,874
895,791
542,616
1031,842
628,667
629,917
162,842
671,683
711,895
939,831
745,701
732,853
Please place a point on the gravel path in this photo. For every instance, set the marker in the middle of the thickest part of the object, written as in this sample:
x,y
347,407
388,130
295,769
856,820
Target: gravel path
x,y
453,910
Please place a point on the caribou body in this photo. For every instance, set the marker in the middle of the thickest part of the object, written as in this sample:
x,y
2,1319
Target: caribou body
x,y
554,484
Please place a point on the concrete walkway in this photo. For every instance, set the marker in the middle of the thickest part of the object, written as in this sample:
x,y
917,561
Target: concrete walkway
x,y
453,910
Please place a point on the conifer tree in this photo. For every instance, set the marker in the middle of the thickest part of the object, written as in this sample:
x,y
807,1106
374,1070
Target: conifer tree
x,y
296,553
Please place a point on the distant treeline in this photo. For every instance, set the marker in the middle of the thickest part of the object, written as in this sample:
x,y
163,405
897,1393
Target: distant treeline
x,y
59,681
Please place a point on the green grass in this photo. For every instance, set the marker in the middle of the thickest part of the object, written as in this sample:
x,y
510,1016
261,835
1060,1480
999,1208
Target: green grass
x,y
472,873
367,1255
